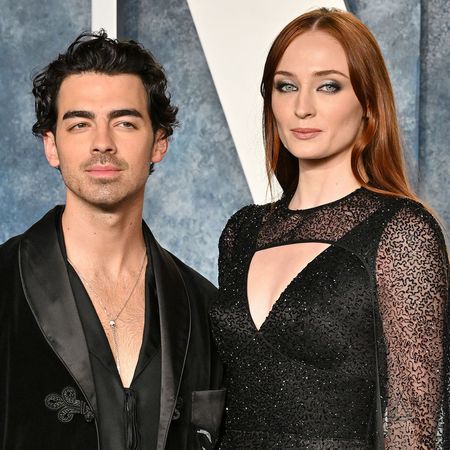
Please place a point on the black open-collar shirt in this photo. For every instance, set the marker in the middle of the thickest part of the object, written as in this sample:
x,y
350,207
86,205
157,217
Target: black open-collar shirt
x,y
127,418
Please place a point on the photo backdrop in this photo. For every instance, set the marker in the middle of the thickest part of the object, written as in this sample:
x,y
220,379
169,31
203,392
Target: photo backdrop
x,y
208,173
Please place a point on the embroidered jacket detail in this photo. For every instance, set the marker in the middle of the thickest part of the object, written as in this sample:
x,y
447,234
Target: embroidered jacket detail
x,y
205,438
67,405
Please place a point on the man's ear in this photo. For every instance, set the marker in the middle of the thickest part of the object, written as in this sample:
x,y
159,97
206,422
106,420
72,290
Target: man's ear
x,y
51,152
160,146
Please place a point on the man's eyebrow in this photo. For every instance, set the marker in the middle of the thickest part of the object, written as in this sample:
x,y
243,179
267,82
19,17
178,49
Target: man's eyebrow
x,y
82,114
320,73
112,115
124,112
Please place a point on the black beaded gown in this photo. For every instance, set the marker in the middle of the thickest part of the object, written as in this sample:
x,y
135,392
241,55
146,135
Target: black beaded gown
x,y
355,347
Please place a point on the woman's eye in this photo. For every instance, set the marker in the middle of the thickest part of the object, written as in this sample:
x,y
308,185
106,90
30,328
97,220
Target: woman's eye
x,y
330,87
284,86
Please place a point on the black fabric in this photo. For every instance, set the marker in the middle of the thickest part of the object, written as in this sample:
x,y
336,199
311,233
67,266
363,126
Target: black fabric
x,y
203,402
44,355
128,419
307,378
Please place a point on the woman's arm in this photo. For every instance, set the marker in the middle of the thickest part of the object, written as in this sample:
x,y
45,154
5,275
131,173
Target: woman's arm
x,y
412,279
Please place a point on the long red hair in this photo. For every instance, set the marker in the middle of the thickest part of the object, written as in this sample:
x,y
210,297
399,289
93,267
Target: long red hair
x,y
377,155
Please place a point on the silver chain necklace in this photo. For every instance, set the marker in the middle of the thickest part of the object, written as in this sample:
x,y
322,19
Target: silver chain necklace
x,y
112,321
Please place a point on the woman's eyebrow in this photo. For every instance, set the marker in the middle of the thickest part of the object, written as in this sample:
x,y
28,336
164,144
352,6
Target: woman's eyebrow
x,y
320,73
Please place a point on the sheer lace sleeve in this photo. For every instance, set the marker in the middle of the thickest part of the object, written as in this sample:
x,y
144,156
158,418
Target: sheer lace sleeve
x,y
412,279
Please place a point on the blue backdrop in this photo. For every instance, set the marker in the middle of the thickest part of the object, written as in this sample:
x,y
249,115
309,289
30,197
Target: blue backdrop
x,y
201,182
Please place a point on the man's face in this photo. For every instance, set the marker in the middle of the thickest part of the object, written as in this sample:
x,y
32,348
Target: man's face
x,y
104,141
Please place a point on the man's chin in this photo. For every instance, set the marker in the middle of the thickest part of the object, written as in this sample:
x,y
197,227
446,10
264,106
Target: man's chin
x,y
109,203
104,198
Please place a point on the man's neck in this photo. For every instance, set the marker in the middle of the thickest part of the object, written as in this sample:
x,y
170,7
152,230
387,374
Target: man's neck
x,y
103,241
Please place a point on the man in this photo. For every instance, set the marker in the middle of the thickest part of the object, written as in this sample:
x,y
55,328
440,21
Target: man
x,y
104,337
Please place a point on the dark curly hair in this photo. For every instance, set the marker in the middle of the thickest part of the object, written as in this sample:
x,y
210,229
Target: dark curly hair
x,y
95,52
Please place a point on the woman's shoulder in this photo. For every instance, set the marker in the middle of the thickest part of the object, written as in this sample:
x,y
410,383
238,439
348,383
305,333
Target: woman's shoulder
x,y
243,222
412,222
406,209
248,215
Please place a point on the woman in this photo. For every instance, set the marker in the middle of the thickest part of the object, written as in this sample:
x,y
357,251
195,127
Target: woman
x,y
332,308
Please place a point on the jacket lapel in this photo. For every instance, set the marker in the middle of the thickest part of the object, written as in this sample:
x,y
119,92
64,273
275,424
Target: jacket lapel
x,y
175,323
49,294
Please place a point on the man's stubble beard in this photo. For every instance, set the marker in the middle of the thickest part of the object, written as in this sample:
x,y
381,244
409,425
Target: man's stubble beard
x,y
104,194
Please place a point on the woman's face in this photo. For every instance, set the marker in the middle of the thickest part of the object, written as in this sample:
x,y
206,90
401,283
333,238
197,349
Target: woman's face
x,y
316,110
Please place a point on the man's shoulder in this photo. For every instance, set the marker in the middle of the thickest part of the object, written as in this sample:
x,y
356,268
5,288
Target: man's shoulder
x,y
201,292
192,277
9,250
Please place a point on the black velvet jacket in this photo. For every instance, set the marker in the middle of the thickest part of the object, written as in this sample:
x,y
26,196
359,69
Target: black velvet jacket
x,y
47,393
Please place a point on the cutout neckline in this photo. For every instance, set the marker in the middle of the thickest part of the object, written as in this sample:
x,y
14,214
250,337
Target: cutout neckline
x,y
288,285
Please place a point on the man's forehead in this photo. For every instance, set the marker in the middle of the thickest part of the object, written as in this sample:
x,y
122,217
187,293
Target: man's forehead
x,y
92,77
92,90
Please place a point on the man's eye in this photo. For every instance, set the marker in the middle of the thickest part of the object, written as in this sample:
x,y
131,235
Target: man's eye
x,y
284,86
127,125
78,126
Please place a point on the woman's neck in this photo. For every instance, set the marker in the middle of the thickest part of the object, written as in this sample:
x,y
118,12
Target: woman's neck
x,y
322,183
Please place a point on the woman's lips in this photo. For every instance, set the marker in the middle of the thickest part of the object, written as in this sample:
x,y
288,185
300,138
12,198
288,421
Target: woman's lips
x,y
306,133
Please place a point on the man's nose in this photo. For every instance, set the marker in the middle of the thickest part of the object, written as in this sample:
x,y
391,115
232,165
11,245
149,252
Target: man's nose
x,y
103,140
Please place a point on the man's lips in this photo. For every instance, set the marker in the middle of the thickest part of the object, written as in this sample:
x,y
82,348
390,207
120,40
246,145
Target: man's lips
x,y
103,170
306,133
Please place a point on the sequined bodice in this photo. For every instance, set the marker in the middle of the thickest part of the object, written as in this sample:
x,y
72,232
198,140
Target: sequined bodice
x,y
308,377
